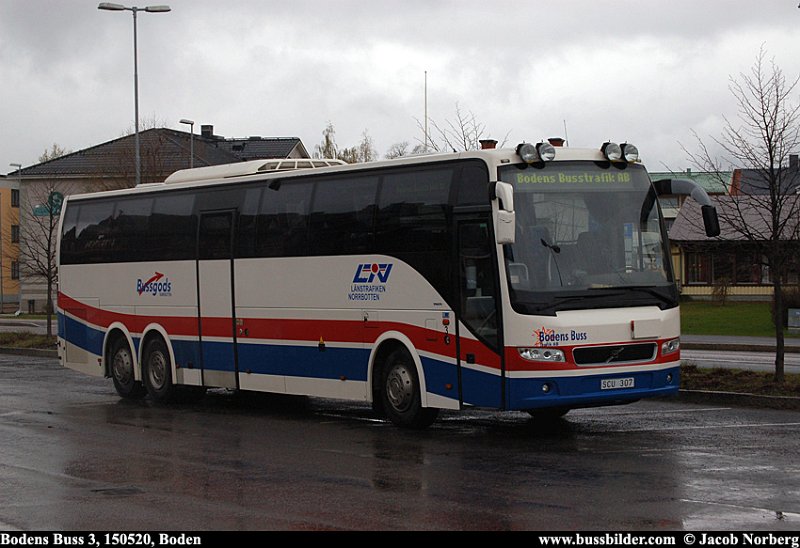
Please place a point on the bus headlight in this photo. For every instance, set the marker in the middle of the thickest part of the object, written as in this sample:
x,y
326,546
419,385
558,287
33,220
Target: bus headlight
x,y
670,347
611,151
542,354
629,152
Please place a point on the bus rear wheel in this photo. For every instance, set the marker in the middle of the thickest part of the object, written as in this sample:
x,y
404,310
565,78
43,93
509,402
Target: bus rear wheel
x,y
157,372
122,372
400,393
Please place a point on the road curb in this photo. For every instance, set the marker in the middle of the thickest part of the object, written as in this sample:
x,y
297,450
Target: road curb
x,y
737,347
738,399
35,352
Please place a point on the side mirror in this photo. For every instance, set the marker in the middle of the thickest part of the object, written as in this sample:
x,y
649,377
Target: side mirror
x,y
710,220
690,188
505,223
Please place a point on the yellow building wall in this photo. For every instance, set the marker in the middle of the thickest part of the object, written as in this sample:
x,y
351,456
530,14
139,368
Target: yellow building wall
x,y
9,249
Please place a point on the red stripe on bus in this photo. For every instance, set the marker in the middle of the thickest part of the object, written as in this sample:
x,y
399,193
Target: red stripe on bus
x,y
312,330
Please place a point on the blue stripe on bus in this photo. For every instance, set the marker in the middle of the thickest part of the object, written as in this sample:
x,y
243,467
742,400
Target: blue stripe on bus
x,y
271,359
585,391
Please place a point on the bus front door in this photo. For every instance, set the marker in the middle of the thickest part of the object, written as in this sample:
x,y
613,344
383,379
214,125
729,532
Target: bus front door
x,y
215,299
480,363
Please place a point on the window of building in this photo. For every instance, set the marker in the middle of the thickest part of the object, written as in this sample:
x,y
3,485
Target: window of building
x,y
15,270
14,197
14,234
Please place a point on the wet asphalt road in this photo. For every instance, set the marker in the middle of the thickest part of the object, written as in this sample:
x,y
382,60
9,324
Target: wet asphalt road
x,y
73,456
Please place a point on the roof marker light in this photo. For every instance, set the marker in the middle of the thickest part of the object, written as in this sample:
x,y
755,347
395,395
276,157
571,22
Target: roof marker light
x,y
611,151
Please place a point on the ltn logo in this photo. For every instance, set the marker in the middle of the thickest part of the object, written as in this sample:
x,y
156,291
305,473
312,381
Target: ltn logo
x,y
366,273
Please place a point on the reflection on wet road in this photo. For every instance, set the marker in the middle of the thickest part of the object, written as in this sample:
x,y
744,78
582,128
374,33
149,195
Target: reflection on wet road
x,y
74,456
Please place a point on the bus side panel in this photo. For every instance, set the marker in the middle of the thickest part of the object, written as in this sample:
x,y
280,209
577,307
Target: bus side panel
x,y
82,341
481,379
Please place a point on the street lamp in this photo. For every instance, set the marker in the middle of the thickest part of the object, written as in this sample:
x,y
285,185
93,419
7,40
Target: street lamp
x,y
149,9
191,140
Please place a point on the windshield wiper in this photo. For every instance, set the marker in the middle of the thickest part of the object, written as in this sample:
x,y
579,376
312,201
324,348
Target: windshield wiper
x,y
649,289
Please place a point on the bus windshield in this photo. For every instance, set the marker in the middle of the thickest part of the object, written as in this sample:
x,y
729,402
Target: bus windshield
x,y
588,235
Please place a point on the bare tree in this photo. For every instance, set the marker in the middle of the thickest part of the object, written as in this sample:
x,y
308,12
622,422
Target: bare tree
x,y
463,132
52,153
765,212
38,235
327,148
364,151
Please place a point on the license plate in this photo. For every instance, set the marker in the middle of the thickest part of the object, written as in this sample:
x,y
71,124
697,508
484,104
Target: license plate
x,y
615,384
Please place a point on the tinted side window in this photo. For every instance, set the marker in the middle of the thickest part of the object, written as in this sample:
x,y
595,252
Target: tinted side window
x,y
172,230
215,235
472,186
413,208
131,222
412,225
246,237
93,233
282,224
342,216
69,230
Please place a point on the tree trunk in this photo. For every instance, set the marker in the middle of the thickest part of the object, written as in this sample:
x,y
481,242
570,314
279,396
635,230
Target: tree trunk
x,y
777,288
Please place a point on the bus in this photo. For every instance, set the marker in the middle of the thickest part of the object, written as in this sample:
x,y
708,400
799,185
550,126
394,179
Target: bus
x,y
534,278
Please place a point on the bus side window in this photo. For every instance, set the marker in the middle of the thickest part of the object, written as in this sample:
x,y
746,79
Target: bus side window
x,y
342,215
476,272
93,231
173,226
131,219
282,224
246,239
472,186
69,234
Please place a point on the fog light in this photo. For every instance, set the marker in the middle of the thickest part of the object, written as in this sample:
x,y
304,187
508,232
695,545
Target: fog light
x,y
669,378
546,151
527,152
611,151
546,388
630,152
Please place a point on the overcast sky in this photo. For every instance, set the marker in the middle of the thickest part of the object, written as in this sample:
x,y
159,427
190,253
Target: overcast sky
x,y
646,72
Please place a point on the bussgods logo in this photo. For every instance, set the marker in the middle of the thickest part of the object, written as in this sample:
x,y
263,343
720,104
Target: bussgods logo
x,y
366,273
157,285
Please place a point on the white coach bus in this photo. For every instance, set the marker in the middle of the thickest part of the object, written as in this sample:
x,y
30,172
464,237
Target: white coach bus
x,y
535,278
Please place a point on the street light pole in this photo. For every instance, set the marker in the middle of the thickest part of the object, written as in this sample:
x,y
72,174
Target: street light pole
x,y
150,9
191,140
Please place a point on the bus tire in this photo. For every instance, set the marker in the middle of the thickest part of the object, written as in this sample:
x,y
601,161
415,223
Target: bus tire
x,y
122,371
400,393
157,372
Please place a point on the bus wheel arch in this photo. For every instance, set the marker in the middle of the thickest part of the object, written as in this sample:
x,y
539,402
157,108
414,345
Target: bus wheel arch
x,y
397,383
121,363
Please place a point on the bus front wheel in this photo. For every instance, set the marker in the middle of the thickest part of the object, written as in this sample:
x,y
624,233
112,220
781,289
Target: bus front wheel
x,y
122,372
157,372
400,393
